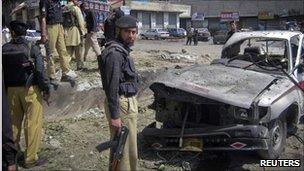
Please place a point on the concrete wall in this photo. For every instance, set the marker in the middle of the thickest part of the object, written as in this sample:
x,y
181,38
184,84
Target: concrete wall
x,y
177,22
139,17
153,20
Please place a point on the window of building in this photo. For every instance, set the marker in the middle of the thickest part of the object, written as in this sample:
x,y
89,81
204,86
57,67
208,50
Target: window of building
x,y
172,19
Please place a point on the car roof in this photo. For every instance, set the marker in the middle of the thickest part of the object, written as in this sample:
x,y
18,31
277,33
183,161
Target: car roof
x,y
276,34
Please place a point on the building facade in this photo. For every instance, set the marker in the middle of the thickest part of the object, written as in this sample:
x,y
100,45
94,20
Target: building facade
x,y
255,14
158,14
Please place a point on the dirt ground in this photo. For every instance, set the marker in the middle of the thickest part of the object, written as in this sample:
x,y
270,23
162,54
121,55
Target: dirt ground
x,y
75,123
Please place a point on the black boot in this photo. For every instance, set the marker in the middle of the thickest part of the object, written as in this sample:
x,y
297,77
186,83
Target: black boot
x,y
54,83
66,78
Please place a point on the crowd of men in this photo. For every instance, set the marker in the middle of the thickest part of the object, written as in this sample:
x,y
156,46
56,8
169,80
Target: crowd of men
x,y
70,31
192,35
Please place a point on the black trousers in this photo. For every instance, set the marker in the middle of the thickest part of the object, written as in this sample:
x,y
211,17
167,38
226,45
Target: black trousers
x,y
189,40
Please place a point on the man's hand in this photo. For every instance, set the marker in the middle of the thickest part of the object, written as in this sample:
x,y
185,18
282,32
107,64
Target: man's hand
x,y
116,124
43,39
11,167
82,38
46,97
65,34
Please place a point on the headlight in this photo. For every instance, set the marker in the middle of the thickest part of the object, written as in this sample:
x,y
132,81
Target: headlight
x,y
242,114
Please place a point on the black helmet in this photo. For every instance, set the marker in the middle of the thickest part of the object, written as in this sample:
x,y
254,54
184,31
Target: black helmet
x,y
18,27
126,21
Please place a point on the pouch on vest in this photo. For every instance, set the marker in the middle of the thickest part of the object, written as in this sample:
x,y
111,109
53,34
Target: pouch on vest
x,y
128,89
69,19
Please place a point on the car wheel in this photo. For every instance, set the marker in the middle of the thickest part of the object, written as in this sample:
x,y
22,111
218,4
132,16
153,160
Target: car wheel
x,y
143,37
277,139
156,37
150,139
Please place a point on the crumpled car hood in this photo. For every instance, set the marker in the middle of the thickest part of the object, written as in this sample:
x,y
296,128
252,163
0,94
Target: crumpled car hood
x,y
229,85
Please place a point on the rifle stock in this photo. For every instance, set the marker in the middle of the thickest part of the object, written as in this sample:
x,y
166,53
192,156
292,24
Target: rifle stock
x,y
117,147
115,165
103,146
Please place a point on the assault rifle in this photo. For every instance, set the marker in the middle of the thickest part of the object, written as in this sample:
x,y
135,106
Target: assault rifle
x,y
117,146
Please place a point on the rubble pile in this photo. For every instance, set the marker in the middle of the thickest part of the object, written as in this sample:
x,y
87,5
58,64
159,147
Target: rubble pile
x,y
93,113
87,84
56,134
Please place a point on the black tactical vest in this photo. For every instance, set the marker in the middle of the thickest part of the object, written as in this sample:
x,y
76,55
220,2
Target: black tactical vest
x,y
53,12
128,83
17,64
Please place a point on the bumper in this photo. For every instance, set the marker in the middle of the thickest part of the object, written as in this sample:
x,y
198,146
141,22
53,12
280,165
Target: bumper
x,y
203,38
215,138
164,36
222,41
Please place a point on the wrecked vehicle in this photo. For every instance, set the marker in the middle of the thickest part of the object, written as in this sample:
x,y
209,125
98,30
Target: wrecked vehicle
x,y
250,99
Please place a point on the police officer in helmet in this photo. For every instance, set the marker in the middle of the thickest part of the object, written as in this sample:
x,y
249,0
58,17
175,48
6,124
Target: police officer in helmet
x,y
120,82
26,85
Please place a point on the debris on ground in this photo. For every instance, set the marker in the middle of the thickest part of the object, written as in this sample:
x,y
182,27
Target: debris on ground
x,y
93,113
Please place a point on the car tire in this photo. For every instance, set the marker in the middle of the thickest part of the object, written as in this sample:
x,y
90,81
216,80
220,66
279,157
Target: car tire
x,y
277,139
143,37
156,37
150,139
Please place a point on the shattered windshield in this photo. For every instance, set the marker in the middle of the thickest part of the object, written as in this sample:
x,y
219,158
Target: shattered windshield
x,y
259,54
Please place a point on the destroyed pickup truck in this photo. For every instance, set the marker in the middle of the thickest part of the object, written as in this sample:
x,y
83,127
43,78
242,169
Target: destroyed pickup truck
x,y
249,99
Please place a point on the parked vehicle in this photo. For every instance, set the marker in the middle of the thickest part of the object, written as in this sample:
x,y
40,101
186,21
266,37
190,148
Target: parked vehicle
x,y
250,99
33,35
6,36
292,26
246,29
203,34
156,33
220,37
177,32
